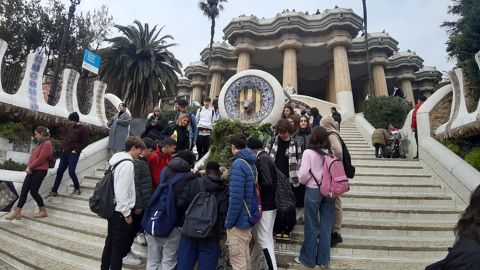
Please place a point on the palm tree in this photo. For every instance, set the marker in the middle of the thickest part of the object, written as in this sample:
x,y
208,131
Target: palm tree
x,y
139,65
367,53
211,9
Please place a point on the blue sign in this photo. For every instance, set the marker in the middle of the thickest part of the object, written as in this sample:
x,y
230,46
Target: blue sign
x,y
91,61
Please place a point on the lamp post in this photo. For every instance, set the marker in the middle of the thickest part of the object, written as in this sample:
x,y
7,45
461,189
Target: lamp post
x,y
66,32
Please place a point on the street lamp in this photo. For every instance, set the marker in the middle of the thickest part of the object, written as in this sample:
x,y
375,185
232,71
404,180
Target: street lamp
x,y
66,32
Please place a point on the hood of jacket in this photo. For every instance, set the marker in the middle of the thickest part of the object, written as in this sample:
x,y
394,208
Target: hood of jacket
x,y
246,154
119,156
179,165
329,123
212,183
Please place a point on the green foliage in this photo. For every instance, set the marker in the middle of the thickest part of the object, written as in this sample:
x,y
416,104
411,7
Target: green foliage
x,y
473,158
219,140
11,165
34,25
381,111
12,131
139,63
464,40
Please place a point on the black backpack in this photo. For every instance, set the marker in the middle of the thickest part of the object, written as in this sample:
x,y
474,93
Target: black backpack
x,y
201,214
346,159
102,201
284,196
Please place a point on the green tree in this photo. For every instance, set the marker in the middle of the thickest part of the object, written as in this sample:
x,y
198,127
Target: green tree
x,y
464,40
211,9
139,64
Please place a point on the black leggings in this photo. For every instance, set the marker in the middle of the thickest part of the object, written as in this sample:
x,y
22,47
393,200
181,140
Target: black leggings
x,y
32,183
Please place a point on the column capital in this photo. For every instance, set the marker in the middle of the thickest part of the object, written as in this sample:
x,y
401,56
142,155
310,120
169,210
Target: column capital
x,y
243,47
197,84
217,68
406,76
289,44
379,60
339,41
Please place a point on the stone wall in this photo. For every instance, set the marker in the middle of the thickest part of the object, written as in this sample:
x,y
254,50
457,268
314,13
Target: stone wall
x,y
440,114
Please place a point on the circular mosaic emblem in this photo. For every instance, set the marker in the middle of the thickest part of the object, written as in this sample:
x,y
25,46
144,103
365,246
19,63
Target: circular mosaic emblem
x,y
251,96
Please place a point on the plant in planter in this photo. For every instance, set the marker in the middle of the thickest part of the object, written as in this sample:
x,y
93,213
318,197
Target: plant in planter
x,y
381,111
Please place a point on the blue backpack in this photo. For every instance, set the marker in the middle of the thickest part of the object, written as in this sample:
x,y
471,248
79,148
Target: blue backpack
x,y
161,213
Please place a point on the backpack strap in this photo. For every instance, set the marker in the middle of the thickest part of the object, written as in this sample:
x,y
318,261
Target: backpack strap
x,y
116,164
255,179
201,183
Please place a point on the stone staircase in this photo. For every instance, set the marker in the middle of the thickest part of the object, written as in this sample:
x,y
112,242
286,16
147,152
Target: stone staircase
x,y
396,216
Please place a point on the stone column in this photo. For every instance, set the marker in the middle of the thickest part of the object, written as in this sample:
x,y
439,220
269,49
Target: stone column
x,y
215,84
289,48
197,88
406,85
331,96
378,74
244,52
343,86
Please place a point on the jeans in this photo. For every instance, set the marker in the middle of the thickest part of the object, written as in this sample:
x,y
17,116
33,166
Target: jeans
x,y
285,222
192,249
319,212
136,226
67,160
162,251
117,243
263,235
32,183
203,143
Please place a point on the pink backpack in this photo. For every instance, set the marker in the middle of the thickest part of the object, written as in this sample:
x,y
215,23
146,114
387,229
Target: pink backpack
x,y
334,181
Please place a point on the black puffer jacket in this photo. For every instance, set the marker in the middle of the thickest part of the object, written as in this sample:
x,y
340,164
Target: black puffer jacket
x,y
212,184
266,180
143,183
157,130
178,165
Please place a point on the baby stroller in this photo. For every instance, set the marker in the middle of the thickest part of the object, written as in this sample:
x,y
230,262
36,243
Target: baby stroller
x,y
393,147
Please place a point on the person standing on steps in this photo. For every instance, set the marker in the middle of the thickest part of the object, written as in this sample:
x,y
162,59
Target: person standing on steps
x,y
263,230
336,146
117,243
159,159
336,116
36,171
143,192
192,122
422,99
119,129
316,116
206,116
380,138
76,140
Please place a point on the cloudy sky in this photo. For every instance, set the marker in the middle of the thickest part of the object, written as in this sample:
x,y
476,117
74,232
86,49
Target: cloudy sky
x,y
413,23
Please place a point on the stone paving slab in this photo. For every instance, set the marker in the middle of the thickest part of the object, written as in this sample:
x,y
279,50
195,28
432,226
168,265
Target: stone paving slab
x,y
5,266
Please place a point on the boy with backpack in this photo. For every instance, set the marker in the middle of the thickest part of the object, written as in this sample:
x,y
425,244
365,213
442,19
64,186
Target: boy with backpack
x,y
163,220
117,243
243,207
206,116
160,158
143,191
207,201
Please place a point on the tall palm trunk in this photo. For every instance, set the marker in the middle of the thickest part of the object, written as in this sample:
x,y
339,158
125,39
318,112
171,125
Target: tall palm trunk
x,y
212,34
370,82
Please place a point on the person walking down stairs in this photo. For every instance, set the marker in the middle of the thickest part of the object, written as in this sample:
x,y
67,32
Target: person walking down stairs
x,y
76,140
36,171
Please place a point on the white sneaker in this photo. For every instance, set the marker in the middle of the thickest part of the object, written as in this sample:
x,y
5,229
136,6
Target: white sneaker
x,y
131,259
141,239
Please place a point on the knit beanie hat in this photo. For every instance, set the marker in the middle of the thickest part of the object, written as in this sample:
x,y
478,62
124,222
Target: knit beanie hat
x,y
74,117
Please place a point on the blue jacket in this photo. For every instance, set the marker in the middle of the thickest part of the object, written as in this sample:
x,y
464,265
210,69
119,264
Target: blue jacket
x,y
241,187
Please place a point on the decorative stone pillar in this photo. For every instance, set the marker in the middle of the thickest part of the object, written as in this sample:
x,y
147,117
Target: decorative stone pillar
x,y
331,96
343,86
378,74
406,85
289,48
215,83
244,52
197,88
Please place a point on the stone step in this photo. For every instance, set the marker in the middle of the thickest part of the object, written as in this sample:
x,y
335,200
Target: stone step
x,y
28,258
396,198
362,152
5,266
286,260
82,214
395,212
380,247
394,187
395,178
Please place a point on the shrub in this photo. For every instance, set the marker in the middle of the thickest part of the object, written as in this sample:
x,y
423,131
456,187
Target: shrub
x,y
13,131
381,111
473,158
170,115
13,166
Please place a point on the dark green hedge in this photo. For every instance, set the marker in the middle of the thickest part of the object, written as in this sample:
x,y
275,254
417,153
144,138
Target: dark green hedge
x,y
381,111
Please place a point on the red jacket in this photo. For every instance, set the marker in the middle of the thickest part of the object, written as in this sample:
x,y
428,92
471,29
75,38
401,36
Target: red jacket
x,y
41,154
157,161
414,114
